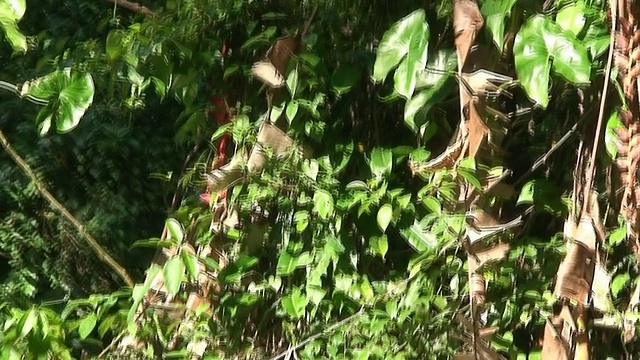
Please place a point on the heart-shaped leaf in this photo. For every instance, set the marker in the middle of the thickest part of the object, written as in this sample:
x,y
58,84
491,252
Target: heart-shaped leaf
x,y
538,42
69,95
397,41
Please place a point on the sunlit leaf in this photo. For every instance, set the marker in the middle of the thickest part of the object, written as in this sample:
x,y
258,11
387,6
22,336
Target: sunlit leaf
x,y
175,230
495,13
323,204
381,162
87,325
396,42
619,283
10,13
69,95
538,42
191,264
173,272
572,17
385,213
27,322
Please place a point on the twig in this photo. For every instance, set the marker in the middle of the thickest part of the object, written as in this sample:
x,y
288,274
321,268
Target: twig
x,y
603,100
93,243
319,334
135,7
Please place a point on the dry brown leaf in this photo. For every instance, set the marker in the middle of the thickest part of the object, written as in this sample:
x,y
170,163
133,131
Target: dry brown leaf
x,y
467,22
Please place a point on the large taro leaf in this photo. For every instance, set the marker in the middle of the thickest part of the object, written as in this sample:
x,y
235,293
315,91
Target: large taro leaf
x,y
495,13
432,83
407,37
11,11
540,41
68,95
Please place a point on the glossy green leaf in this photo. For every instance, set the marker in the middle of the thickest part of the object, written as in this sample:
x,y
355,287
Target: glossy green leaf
x,y
572,17
405,77
611,138
323,204
140,291
191,264
617,236
357,185
420,239
301,218
69,95
345,78
10,13
597,38
87,325
175,230
114,44
380,245
27,322
385,213
291,111
495,13
173,272
381,162
396,42
619,283
286,264
311,168
292,82
295,303
538,42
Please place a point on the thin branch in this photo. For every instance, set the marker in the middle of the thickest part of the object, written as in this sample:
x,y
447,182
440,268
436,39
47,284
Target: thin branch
x,y
102,254
133,6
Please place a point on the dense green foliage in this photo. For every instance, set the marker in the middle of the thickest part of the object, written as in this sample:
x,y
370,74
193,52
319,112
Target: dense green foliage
x,y
350,243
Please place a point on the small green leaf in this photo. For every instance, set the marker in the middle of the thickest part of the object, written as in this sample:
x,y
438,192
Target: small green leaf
x,y
405,77
301,218
323,204
292,110
87,325
292,82
381,162
295,303
432,204
191,263
175,230
27,322
310,168
357,185
380,245
611,138
385,213
173,273
286,264
419,238
619,283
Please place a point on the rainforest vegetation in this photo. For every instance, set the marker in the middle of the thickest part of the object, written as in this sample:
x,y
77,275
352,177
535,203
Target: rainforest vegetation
x,y
318,179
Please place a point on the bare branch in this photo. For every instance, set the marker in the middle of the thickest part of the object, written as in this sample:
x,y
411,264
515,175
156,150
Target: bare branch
x,y
93,243
133,6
